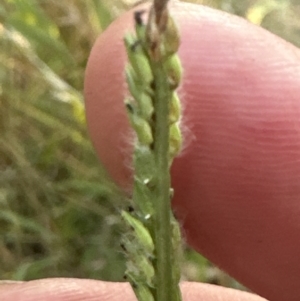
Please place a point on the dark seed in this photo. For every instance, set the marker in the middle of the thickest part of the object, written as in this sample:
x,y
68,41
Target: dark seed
x,y
138,17
130,209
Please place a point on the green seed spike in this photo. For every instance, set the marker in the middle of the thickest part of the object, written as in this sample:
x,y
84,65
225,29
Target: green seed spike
x,y
177,250
136,80
153,73
145,165
142,292
145,106
133,273
139,264
144,200
153,38
146,269
171,37
175,140
173,68
174,108
176,257
142,233
140,27
143,99
140,125
138,59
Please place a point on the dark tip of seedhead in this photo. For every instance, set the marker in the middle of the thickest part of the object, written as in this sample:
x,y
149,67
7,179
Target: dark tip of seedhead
x,y
138,17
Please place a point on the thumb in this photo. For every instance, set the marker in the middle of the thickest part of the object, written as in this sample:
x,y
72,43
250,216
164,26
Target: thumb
x,y
237,182
71,289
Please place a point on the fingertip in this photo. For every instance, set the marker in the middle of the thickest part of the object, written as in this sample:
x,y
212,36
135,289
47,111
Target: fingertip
x,y
193,291
67,289
237,183
71,289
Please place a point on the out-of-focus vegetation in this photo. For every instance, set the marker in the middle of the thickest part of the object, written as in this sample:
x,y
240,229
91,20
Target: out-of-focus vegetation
x,y
58,209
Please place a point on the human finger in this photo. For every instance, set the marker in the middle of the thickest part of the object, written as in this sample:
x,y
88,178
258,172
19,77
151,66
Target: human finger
x,y
67,289
237,181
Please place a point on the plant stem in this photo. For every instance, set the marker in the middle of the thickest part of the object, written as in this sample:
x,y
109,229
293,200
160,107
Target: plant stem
x,y
162,204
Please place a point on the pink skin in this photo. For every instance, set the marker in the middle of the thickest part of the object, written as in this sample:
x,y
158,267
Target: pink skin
x,y
62,289
237,183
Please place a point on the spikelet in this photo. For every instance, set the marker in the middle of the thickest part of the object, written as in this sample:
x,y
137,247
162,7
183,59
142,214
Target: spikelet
x,y
138,243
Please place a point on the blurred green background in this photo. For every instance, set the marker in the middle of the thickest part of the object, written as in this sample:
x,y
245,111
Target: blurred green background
x,y
58,209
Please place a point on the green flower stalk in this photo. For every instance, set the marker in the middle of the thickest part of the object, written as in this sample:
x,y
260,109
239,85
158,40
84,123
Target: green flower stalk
x,y
153,72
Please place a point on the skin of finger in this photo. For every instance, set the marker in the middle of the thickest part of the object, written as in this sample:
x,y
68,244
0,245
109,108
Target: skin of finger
x,y
60,289
237,180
